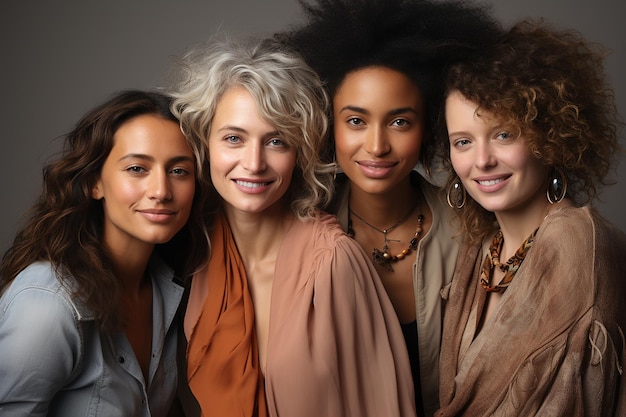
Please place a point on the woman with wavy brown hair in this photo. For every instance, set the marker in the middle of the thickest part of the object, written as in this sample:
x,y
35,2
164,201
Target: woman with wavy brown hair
x,y
535,318
87,304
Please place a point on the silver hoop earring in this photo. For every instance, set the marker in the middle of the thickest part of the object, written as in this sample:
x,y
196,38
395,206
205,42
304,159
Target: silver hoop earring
x,y
557,186
456,195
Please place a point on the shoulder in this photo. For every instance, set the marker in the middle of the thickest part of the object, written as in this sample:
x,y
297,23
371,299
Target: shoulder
x,y
569,225
578,228
582,246
322,243
38,290
323,226
39,322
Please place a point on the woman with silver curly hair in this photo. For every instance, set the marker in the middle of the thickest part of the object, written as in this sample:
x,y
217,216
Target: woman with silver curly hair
x,y
289,318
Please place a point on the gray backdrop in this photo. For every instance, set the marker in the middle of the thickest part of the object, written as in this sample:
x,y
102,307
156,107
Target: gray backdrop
x,y
61,59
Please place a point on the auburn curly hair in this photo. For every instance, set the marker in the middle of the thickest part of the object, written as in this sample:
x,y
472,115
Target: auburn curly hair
x,y
549,86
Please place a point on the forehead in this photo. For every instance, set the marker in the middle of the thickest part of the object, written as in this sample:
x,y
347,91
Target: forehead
x,y
375,87
149,134
376,75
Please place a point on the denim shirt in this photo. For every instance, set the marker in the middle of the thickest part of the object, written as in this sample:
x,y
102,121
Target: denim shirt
x,y
54,361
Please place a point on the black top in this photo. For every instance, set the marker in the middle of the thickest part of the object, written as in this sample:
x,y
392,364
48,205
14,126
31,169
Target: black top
x,y
410,337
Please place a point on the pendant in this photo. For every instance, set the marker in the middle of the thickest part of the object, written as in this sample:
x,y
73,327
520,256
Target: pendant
x,y
382,258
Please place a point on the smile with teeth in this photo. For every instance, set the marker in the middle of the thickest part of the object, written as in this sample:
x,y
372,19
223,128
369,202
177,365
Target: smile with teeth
x,y
249,184
490,182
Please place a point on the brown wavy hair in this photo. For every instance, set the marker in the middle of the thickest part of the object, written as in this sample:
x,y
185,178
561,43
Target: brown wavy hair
x,y
65,225
549,86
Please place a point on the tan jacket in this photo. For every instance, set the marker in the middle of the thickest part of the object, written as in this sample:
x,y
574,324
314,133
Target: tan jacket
x,y
555,345
432,270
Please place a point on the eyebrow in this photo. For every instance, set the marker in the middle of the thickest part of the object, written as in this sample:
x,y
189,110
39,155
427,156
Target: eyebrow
x,y
394,112
242,130
461,133
181,158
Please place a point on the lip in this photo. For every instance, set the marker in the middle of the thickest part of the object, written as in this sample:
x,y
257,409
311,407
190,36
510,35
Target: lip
x,y
158,215
376,169
492,183
250,186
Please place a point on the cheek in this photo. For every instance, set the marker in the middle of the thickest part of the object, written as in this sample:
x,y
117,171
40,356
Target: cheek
x,y
538,174
410,146
220,163
216,177
458,162
345,143
186,192
288,164
122,191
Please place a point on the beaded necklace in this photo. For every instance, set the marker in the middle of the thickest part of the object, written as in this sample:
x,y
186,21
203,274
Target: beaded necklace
x,y
509,268
383,257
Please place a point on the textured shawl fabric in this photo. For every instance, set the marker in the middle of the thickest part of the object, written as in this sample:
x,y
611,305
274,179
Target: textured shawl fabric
x,y
335,346
555,345
222,353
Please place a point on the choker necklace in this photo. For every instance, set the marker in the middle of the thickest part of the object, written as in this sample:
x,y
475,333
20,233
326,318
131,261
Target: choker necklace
x,y
383,257
509,268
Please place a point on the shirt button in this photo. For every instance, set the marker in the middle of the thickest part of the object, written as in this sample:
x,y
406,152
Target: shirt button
x,y
120,359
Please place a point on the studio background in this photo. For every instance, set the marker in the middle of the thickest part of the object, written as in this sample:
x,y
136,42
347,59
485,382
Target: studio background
x,y
62,58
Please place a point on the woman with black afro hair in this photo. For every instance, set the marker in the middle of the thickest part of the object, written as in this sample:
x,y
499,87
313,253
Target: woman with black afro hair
x,y
383,62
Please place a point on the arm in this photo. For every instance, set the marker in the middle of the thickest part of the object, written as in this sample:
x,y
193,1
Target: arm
x,y
40,344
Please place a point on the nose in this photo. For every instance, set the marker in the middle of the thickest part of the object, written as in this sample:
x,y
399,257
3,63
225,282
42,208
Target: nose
x,y
159,186
253,159
485,157
376,141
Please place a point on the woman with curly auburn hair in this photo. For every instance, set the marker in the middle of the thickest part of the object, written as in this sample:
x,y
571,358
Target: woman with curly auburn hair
x,y
87,306
535,318
289,318
383,63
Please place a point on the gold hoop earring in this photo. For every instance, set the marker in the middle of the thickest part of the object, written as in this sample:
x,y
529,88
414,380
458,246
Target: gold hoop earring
x,y
557,186
457,200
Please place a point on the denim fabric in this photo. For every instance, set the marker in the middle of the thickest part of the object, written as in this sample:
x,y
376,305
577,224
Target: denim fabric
x,y
54,361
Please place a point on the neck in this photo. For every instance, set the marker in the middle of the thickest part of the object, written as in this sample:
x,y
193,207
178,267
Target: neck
x,y
259,235
129,265
383,210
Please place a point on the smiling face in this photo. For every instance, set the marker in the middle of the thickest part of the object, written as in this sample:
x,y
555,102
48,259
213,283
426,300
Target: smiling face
x,y
379,126
497,169
251,166
147,183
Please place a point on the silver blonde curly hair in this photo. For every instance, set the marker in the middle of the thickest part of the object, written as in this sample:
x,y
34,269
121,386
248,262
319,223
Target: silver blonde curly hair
x,y
288,94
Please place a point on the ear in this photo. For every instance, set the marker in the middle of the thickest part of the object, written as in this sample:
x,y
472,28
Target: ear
x,y
96,191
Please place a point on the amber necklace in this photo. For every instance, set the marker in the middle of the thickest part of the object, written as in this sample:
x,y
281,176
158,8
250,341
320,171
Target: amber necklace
x,y
383,257
509,268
